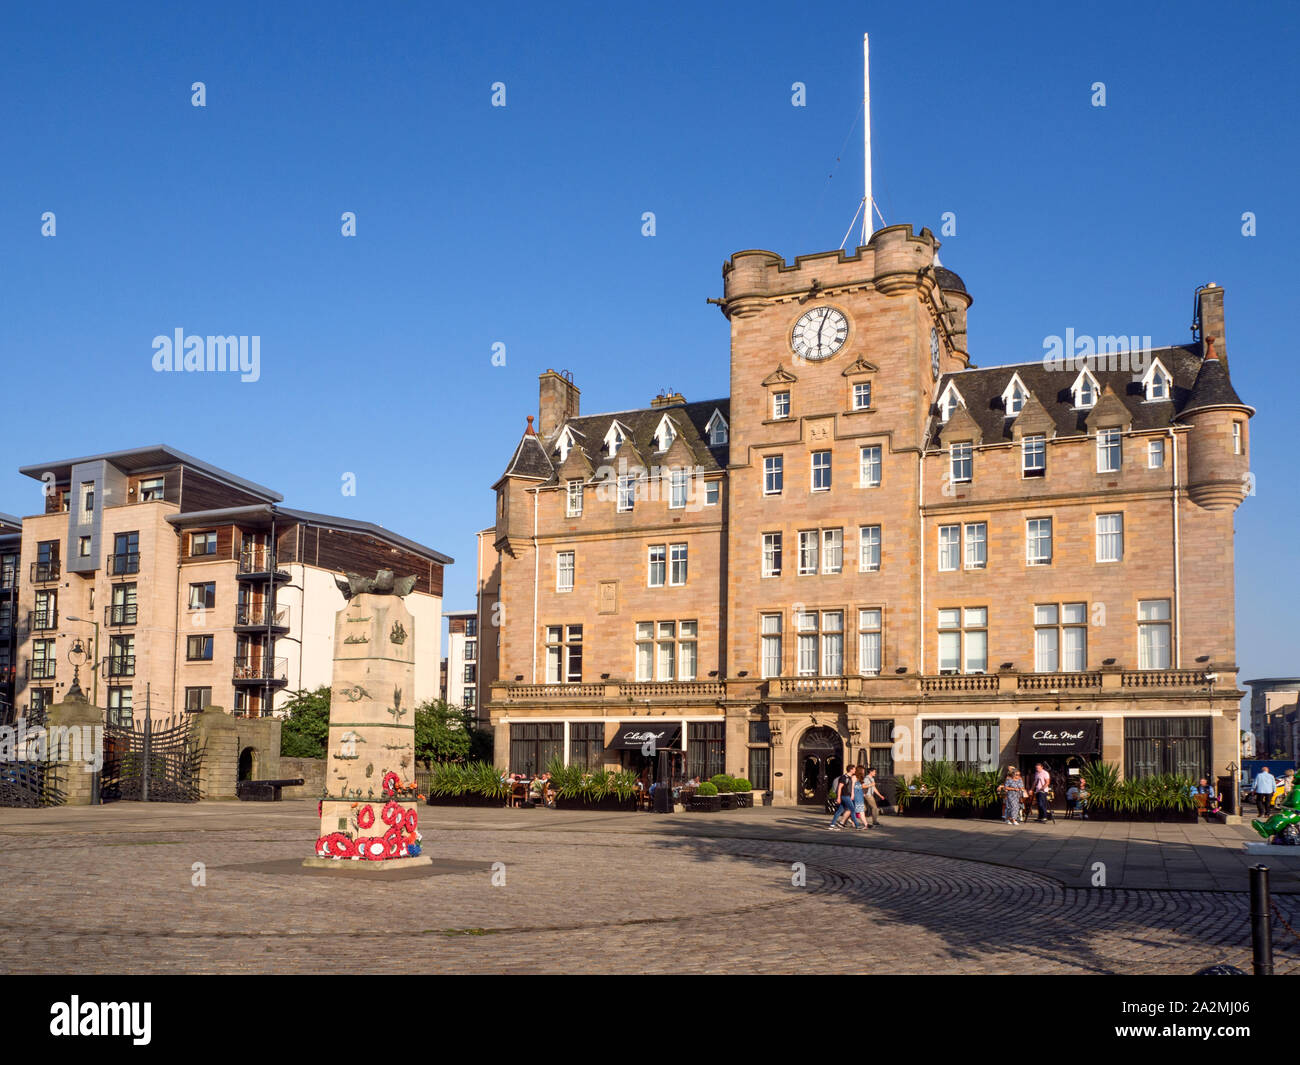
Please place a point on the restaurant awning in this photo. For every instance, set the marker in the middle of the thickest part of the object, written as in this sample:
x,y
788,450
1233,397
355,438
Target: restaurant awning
x,y
1059,736
639,735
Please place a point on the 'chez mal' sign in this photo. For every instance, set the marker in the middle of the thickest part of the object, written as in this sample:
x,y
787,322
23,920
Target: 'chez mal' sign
x,y
1070,736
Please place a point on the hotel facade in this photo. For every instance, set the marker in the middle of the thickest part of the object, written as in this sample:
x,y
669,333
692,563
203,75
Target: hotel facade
x,y
873,551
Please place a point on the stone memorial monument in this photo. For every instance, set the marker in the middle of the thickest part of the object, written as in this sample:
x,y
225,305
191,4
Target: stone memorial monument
x,y
368,811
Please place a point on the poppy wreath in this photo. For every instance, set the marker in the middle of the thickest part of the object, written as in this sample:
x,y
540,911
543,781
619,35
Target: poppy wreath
x,y
392,843
366,817
393,814
372,848
411,820
392,784
336,845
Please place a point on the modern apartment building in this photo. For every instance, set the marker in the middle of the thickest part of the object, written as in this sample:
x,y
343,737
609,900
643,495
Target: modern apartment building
x,y
11,536
193,586
873,550
462,659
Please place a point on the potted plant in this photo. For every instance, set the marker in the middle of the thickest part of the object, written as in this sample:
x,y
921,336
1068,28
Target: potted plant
x,y
705,799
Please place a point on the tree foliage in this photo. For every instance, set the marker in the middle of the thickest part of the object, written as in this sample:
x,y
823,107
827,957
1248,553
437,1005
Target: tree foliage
x,y
305,732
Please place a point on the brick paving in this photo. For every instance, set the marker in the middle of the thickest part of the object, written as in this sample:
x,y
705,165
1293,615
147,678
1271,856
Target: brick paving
x,y
108,889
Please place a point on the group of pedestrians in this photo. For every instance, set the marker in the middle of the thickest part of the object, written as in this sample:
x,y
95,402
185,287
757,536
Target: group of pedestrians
x,y
856,795
1014,789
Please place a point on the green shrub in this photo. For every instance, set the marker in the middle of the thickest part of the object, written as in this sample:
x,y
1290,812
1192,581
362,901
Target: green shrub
x,y
622,785
722,781
484,779
707,788
741,785
448,778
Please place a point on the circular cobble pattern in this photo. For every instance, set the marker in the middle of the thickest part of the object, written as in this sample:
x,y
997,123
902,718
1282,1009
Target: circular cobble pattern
x,y
597,900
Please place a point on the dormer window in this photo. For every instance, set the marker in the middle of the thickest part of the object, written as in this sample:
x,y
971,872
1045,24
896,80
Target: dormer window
x,y
614,440
716,429
1084,390
1013,399
949,402
565,444
1157,383
665,434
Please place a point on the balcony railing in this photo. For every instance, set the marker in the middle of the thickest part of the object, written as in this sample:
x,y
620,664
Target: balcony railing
x,y
119,666
682,689
45,571
808,685
120,614
41,668
960,682
275,670
42,620
1049,682
1164,678
262,615
8,578
257,558
123,562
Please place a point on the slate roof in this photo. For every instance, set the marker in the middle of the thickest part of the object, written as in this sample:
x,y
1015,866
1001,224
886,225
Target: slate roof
x,y
1196,383
949,280
540,459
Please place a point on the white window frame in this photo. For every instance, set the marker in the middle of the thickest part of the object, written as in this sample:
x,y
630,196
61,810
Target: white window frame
x,y
677,489
815,469
770,645
1110,542
573,499
1034,537
652,562
677,565
859,395
870,464
1077,389
1155,634
712,493
1033,445
1238,439
626,493
780,405
871,623
771,554
961,451
832,550
869,544
949,401
1014,396
1156,454
948,546
565,564
665,434
809,558
1157,372
971,540
1107,440
717,429
773,472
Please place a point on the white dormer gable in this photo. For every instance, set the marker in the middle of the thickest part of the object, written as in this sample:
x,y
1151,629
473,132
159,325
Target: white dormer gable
x,y
565,443
1157,383
665,434
1014,397
1085,390
614,438
717,429
949,401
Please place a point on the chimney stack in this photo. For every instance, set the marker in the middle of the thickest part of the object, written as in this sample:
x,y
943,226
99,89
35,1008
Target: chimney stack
x,y
668,399
557,401
1209,313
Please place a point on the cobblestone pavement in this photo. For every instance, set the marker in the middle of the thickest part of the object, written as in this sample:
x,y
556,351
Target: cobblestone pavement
x,y
109,889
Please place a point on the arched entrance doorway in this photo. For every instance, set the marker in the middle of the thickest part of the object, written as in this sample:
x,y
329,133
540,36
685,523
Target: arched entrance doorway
x,y
821,760
247,763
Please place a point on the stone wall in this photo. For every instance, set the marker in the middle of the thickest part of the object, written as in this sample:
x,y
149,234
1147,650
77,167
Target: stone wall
x,y
312,770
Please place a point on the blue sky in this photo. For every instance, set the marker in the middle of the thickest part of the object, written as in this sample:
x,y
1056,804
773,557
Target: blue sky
x,y
522,225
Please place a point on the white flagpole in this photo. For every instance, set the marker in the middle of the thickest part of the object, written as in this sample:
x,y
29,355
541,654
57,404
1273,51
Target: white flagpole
x,y
867,227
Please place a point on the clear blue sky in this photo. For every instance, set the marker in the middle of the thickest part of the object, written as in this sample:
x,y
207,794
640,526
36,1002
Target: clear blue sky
x,y
523,225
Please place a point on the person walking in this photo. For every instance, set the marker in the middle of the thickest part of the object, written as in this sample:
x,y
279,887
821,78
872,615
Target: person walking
x,y
1013,791
859,796
1040,786
844,784
1265,784
873,797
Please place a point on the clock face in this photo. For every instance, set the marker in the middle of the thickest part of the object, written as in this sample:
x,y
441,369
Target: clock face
x,y
934,353
819,333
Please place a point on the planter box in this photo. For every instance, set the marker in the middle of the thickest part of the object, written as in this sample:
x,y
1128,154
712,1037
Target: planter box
x,y
463,800
736,800
610,802
704,804
964,811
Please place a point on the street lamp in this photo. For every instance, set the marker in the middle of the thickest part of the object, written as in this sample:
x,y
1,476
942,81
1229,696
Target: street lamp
x,y
95,671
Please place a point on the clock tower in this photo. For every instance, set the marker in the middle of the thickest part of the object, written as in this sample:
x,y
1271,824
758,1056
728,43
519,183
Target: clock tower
x,y
834,363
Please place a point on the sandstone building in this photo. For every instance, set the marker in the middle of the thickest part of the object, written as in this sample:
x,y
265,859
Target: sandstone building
x,y
193,584
871,544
